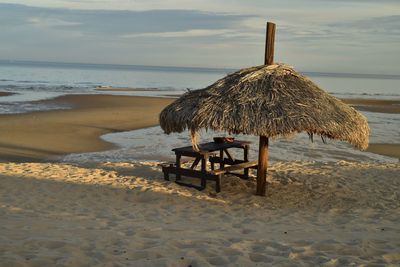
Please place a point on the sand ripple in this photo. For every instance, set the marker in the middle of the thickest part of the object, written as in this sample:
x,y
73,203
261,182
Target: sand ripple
x,y
119,214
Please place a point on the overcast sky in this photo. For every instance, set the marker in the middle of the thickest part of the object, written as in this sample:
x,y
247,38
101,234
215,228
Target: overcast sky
x,y
312,35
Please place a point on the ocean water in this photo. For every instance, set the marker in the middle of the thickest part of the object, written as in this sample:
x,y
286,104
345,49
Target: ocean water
x,y
152,144
33,81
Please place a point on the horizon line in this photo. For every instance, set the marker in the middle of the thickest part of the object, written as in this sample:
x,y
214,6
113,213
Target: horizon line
x,y
188,68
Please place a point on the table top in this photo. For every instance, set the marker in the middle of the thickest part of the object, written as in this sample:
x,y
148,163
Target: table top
x,y
211,147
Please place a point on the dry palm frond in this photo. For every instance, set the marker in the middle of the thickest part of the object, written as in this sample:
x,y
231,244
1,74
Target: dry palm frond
x,y
272,101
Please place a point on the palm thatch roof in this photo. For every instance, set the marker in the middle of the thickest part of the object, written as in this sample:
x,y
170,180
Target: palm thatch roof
x,y
272,101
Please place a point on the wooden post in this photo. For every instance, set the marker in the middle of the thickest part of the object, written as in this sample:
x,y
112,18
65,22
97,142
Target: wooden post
x,y
263,148
269,44
262,166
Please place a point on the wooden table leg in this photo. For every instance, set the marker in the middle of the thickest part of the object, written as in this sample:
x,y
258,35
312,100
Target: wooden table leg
x,y
218,184
178,166
195,162
229,155
203,170
166,173
221,157
246,158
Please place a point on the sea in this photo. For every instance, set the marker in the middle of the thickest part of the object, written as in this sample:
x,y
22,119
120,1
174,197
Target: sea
x,y
32,81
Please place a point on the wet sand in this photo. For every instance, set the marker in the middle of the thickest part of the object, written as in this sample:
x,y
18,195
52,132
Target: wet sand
x,y
45,135
391,150
375,105
126,89
6,94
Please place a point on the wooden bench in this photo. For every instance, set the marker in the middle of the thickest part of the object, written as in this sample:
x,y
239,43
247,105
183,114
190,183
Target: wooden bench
x,y
204,176
240,166
214,175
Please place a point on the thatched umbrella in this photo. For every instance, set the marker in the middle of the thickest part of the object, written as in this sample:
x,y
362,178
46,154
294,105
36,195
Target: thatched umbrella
x,y
266,101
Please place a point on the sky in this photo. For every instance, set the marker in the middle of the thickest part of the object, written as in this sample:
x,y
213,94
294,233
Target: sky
x,y
354,36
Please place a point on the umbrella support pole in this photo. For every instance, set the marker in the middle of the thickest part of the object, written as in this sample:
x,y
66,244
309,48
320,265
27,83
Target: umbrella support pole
x,y
262,166
263,149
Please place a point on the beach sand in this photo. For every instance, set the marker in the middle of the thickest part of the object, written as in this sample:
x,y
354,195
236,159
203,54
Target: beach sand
x,y
391,150
126,89
125,214
375,105
47,134
6,94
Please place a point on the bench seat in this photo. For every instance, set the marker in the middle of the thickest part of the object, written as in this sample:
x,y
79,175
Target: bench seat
x,y
240,166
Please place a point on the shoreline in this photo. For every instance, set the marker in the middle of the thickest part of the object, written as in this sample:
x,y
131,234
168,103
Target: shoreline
x,y
47,135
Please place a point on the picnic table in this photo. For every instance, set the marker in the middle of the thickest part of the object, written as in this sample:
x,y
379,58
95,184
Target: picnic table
x,y
215,153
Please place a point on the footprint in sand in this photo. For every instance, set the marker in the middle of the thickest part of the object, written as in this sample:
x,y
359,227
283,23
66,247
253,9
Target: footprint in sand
x,y
149,234
256,257
146,244
219,261
247,231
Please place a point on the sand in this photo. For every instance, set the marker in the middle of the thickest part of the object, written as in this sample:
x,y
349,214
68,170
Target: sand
x,y
126,89
5,94
375,105
46,135
125,214
391,150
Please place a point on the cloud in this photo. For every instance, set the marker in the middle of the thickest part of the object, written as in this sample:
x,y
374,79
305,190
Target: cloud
x,y
386,25
113,22
114,36
50,22
311,34
188,33
212,33
356,31
380,2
